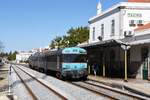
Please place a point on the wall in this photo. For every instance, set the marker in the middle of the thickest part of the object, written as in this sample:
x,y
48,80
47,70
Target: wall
x,y
22,57
127,17
122,16
107,27
136,61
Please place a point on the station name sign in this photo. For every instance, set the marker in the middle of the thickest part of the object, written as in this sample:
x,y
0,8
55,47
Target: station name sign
x,y
137,15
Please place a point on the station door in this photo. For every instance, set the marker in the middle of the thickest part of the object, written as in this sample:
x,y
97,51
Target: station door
x,y
144,63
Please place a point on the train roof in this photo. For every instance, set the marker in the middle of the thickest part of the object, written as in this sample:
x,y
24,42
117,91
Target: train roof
x,y
35,55
52,52
69,50
74,50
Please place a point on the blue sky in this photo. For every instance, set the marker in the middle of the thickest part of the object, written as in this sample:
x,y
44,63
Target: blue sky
x,y
27,24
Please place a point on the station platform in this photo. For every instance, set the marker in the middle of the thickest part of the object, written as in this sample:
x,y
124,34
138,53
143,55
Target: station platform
x,y
137,85
8,97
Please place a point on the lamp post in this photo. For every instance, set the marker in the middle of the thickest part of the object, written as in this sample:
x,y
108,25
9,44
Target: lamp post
x,y
125,48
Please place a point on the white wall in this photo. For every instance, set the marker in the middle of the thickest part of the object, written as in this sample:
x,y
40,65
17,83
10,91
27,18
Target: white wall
x,y
22,57
145,17
135,55
121,18
107,28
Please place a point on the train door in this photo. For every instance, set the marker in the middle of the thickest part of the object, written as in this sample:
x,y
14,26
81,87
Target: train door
x,y
58,73
58,62
144,55
45,64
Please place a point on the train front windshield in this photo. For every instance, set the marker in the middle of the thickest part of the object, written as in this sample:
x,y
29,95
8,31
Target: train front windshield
x,y
75,58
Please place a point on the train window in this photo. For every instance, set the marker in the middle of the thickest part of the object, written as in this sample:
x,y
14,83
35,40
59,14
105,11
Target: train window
x,y
74,58
52,58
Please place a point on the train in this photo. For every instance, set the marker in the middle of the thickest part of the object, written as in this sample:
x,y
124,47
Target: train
x,y
70,62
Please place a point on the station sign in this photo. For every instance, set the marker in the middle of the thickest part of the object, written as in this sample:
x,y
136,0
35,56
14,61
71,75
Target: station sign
x,y
135,15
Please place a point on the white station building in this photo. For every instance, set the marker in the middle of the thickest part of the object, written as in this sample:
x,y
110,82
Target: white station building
x,y
23,56
119,40
119,21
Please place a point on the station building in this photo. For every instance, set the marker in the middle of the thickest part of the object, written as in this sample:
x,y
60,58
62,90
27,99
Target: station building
x,y
23,56
119,40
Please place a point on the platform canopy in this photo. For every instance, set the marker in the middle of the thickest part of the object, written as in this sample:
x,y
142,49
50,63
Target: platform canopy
x,y
139,42
128,41
105,43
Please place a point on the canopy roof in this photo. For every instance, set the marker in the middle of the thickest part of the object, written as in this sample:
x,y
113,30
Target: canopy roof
x,y
131,41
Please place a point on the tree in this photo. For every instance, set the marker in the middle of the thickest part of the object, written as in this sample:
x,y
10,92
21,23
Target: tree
x,y
65,41
57,42
52,45
74,37
78,35
1,46
12,56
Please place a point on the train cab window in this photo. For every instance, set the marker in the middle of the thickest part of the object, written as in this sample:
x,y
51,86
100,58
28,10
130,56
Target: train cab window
x,y
74,58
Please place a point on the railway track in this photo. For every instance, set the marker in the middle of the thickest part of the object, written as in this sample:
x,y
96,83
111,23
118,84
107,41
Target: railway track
x,y
107,91
31,92
34,97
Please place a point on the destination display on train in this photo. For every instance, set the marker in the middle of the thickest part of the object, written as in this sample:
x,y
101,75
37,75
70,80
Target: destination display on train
x,y
74,50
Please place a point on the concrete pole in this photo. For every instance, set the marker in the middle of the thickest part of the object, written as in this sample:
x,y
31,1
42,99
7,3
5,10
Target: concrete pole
x,y
125,79
104,64
89,69
103,70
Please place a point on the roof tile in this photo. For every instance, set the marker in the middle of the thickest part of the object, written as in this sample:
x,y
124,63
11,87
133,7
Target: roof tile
x,y
146,26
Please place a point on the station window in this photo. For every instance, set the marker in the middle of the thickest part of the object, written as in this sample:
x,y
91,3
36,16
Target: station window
x,y
102,30
112,27
93,33
132,23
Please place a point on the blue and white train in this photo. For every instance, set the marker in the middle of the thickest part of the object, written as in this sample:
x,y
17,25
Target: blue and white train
x,y
69,62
